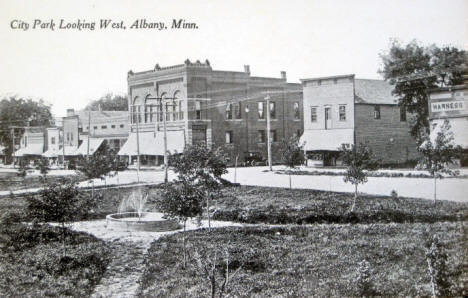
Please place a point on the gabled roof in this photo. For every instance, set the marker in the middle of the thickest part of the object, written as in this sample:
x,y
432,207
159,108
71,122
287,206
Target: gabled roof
x,y
373,92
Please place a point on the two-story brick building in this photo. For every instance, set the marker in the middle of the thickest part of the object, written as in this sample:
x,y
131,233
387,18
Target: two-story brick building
x,y
345,110
214,107
32,144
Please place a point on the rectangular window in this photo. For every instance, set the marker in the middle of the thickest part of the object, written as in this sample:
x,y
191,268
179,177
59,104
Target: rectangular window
x,y
402,114
342,110
112,126
313,114
376,112
197,110
261,110
181,111
273,136
25,141
121,126
52,140
298,133
238,111
261,136
229,111
229,137
94,127
297,112
272,110
103,126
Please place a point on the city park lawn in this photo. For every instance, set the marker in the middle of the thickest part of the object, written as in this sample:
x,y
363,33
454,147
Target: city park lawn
x,y
305,261
10,181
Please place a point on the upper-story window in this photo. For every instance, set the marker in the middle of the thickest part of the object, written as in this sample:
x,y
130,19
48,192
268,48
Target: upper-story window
x,y
261,136
198,110
313,114
238,110
94,127
25,141
376,112
52,140
261,110
297,112
103,126
402,113
229,111
121,126
272,109
342,111
273,136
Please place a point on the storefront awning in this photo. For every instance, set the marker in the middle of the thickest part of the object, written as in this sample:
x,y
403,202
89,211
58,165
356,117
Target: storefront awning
x,y
151,143
31,149
94,144
326,139
69,151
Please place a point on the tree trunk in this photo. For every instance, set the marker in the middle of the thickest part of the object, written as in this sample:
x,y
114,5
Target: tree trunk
x,y
290,186
64,250
355,196
208,211
185,250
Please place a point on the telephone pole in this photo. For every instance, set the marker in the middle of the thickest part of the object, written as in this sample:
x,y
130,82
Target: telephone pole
x,y
267,98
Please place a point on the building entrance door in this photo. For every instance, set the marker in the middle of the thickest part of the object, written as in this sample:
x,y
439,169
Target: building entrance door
x,y
327,118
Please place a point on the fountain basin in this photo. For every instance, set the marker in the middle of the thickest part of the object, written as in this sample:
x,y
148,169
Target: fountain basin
x,y
147,222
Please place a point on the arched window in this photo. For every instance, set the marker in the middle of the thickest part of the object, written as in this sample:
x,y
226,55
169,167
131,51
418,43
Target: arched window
x,y
135,108
176,106
162,105
150,108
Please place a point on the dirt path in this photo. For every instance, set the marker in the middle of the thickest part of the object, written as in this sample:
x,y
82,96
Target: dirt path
x,y
124,271
129,250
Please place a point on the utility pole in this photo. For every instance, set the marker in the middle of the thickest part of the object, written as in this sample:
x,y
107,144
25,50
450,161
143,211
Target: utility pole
x,y
89,131
63,145
137,118
163,107
166,162
13,147
267,98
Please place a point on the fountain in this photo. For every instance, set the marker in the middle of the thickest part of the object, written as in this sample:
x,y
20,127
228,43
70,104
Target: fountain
x,y
132,216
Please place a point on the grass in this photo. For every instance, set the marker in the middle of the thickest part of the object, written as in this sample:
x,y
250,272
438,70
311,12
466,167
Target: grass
x,y
252,204
12,182
32,263
317,260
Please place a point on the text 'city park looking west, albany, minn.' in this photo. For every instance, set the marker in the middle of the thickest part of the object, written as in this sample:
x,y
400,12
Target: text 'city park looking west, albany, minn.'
x,y
102,24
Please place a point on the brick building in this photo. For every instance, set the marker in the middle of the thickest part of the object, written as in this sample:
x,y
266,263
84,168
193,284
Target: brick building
x,y
202,105
451,103
345,110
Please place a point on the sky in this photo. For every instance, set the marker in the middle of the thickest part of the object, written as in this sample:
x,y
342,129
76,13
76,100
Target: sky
x,y
67,68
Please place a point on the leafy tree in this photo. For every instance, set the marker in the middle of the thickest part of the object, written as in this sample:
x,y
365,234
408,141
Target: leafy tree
x,y
61,203
413,69
438,154
109,102
293,154
201,168
182,201
358,161
17,111
97,165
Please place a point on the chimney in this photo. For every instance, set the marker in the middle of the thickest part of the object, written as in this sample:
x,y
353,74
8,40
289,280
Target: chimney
x,y
247,69
70,112
283,75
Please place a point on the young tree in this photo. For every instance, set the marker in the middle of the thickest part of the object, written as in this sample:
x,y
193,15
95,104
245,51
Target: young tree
x,y
358,161
97,165
292,154
43,167
438,154
182,201
413,69
202,168
61,203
